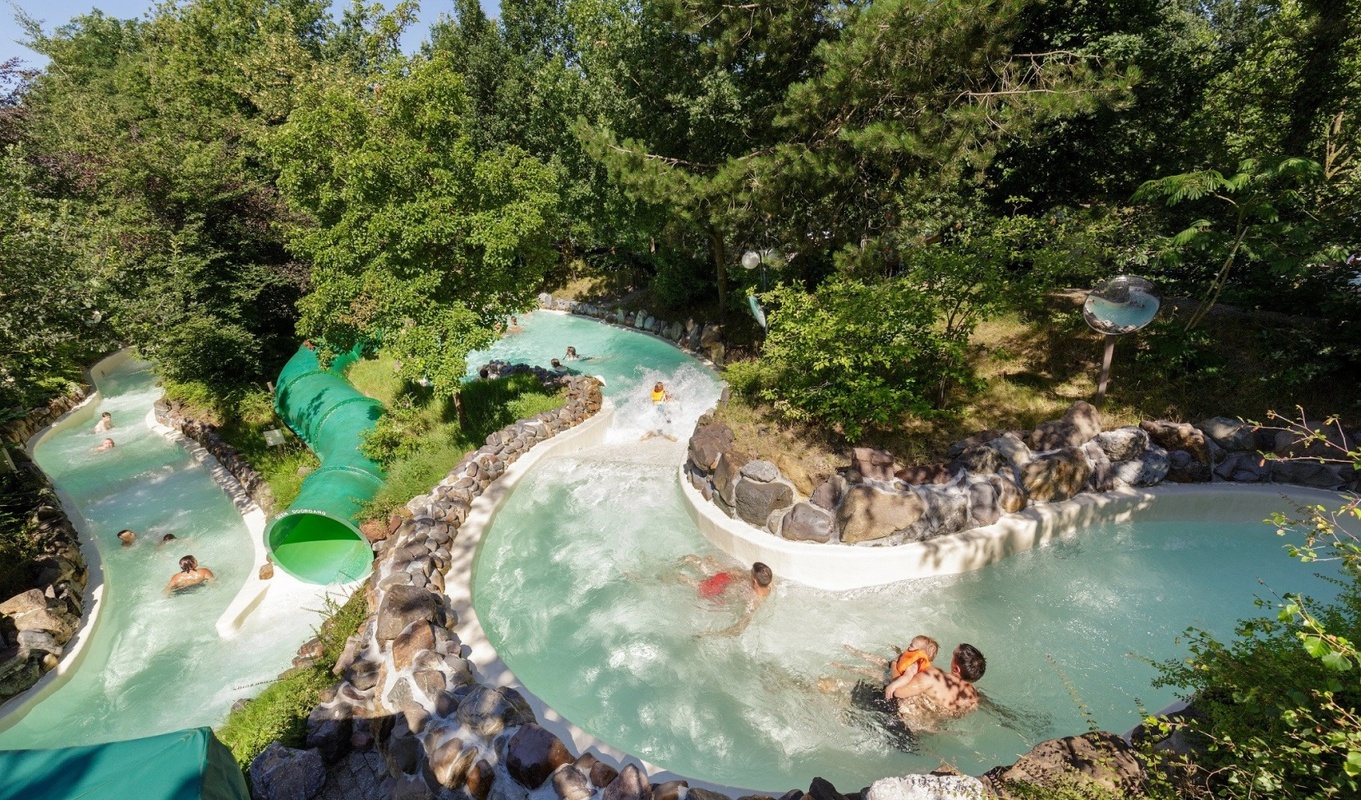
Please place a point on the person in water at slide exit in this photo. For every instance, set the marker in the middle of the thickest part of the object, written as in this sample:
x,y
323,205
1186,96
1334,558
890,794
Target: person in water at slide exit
x,y
127,537
105,446
190,574
660,397
105,423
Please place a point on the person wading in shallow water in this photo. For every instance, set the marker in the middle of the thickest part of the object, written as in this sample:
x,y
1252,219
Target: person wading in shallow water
x,y
190,574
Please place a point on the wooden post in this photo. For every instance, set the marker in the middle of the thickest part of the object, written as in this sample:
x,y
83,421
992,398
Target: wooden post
x,y
1105,369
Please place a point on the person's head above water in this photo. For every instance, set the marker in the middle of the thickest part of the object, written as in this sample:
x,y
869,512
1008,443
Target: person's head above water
x,y
188,564
571,351
107,444
761,576
555,363
969,663
127,537
925,645
658,387
106,415
169,537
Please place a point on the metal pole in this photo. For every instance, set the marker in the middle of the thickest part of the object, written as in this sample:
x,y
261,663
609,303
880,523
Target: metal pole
x,y
1105,369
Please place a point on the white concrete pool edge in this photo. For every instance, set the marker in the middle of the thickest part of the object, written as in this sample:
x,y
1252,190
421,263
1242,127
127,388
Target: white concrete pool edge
x,y
18,706
836,567
459,583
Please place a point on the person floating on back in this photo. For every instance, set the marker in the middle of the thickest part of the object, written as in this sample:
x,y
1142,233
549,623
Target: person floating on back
x,y
190,574
105,423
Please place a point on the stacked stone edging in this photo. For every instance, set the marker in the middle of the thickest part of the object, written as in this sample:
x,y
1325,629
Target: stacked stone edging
x,y
17,433
875,503
171,415
37,624
405,688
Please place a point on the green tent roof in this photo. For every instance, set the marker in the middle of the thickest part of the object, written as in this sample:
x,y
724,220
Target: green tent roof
x,y
185,765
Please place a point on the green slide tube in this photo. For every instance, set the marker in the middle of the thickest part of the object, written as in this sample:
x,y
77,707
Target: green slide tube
x,y
317,539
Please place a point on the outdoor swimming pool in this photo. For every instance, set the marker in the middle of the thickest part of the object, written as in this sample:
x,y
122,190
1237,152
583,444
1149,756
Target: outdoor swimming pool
x,y
571,587
154,663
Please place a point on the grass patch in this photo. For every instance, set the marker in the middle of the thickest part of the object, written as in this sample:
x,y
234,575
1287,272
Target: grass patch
x,y
421,437
279,713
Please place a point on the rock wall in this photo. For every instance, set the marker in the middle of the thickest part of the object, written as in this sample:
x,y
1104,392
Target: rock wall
x,y
877,503
172,415
36,624
406,691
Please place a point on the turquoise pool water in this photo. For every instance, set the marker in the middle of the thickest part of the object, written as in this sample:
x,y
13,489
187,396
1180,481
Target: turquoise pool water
x,y
155,663
571,585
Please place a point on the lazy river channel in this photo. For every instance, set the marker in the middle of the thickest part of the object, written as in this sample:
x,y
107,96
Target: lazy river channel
x,y
573,587
153,663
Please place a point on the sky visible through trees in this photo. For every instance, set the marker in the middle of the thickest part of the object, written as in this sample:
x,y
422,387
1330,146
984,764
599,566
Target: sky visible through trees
x,y
55,13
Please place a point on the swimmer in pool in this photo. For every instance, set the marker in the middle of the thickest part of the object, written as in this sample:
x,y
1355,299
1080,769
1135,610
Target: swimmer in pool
x,y
105,423
931,695
166,539
190,574
918,654
105,446
514,326
571,353
127,537
729,586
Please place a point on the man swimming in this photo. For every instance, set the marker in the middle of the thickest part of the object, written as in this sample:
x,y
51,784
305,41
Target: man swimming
x,y
728,585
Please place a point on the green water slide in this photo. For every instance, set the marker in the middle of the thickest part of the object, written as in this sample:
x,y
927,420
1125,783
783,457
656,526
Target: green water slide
x,y
317,539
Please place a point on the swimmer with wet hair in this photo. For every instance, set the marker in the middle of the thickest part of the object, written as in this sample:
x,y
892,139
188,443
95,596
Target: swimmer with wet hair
x,y
166,539
932,695
127,537
104,446
190,574
571,353
105,423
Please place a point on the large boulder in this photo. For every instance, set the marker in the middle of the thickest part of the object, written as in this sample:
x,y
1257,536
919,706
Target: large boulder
x,y
1178,436
1097,761
708,443
806,522
979,458
727,473
631,784
872,464
1321,441
283,773
1102,477
928,787
793,469
1149,469
755,501
829,493
1183,468
1229,433
946,511
1243,468
921,474
1311,473
868,514
1122,444
532,754
1010,495
1012,448
1055,477
760,471
488,711
1079,424
401,606
985,502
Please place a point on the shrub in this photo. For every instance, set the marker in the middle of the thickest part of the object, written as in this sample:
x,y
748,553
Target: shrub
x,y
850,354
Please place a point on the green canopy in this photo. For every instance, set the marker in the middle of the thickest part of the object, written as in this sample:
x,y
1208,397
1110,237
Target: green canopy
x,y
184,765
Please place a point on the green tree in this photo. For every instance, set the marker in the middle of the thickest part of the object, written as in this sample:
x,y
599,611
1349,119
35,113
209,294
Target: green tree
x,y
414,237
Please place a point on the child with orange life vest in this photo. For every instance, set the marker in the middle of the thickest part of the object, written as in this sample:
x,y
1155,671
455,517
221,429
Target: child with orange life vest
x,y
920,652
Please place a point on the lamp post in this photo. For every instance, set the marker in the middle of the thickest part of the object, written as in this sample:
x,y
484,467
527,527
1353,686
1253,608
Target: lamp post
x,y
751,260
